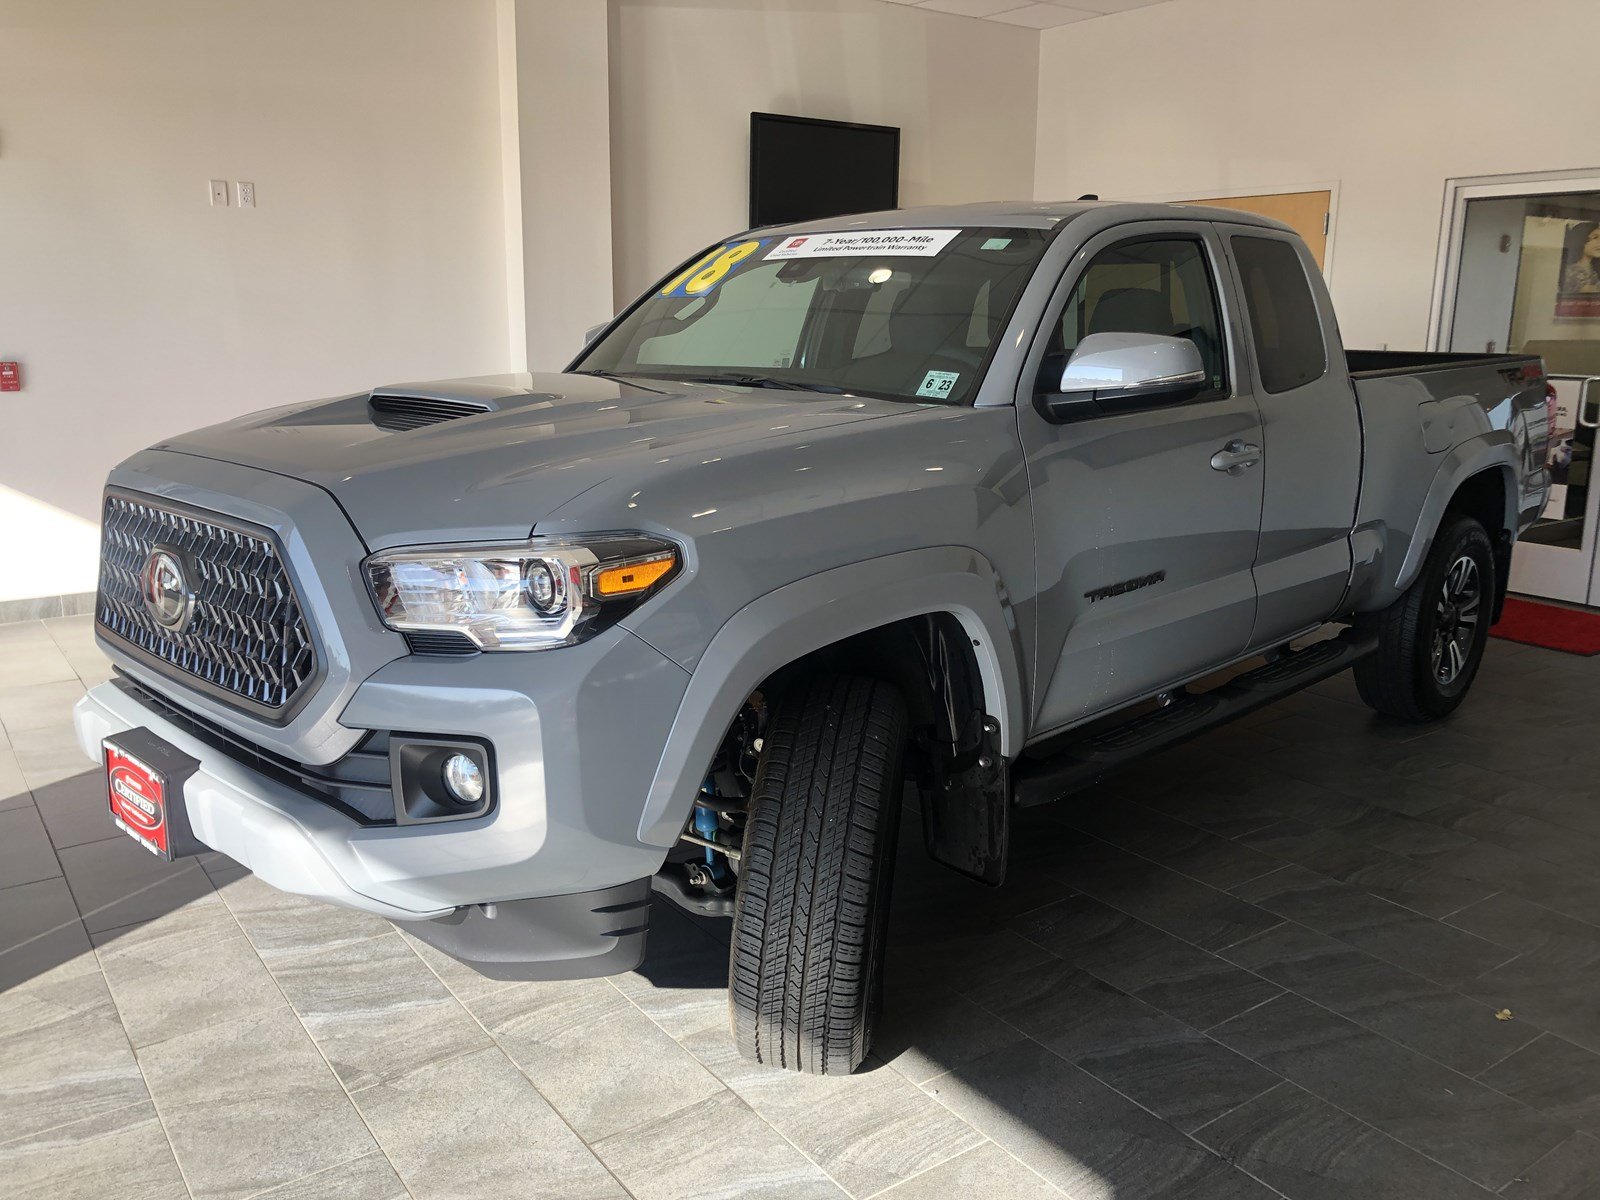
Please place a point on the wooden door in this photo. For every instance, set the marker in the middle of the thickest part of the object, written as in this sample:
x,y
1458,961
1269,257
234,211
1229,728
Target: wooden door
x,y
1304,212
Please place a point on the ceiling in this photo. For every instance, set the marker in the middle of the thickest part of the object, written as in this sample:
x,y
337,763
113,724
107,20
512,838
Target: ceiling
x,y
1030,13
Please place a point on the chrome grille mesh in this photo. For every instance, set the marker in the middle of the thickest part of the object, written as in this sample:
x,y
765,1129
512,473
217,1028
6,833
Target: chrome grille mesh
x,y
246,639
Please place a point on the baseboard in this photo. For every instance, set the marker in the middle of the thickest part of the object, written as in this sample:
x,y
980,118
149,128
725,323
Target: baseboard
x,y
38,607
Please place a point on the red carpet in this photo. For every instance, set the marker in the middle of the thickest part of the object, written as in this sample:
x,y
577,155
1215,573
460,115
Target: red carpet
x,y
1546,625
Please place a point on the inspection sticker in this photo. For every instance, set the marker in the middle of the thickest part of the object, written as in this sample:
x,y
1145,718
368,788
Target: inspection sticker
x,y
922,243
938,384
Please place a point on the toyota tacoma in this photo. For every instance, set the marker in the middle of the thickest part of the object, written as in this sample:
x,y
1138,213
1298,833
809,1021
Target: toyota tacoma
x,y
968,504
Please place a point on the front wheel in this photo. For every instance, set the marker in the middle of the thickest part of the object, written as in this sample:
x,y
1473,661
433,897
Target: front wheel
x,y
1431,640
814,879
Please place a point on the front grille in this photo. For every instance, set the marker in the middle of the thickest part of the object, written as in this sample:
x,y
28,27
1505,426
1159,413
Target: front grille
x,y
399,413
245,639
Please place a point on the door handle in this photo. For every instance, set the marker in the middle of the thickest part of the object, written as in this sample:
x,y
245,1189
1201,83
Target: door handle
x,y
1236,457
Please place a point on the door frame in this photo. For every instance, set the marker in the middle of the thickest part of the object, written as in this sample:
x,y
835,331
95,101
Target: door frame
x,y
1452,225
1331,186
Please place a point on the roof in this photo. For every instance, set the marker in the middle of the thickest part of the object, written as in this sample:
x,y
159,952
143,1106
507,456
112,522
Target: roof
x,y
1019,214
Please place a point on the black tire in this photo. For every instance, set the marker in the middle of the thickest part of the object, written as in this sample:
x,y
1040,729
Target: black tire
x,y
1403,678
814,882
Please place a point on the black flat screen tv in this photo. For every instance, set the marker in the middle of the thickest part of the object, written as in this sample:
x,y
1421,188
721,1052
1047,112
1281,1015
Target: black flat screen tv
x,y
803,169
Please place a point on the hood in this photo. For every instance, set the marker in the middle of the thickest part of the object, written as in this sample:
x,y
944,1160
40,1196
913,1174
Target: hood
x,y
500,452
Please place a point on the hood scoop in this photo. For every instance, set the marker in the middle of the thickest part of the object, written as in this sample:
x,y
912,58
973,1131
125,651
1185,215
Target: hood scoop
x,y
399,413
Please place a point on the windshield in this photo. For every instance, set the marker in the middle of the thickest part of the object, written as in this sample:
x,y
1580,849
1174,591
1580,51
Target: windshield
x,y
904,313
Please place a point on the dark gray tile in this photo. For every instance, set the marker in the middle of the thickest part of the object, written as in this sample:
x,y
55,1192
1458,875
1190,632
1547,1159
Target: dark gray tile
x,y
1432,1020
118,882
1523,875
1527,834
39,931
1185,848
1555,1077
1338,855
75,810
1081,1135
1155,1060
1466,1126
1185,908
25,853
926,1031
1569,1172
1546,987
1521,926
1308,1149
1385,930
1158,968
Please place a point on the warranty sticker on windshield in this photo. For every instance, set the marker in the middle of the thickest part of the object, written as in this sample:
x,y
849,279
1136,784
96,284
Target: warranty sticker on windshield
x,y
920,242
938,384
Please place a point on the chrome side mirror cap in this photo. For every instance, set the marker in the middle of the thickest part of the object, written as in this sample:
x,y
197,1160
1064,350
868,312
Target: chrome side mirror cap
x,y
1122,372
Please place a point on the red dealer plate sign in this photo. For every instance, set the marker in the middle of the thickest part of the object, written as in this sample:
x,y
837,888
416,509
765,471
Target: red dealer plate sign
x,y
138,796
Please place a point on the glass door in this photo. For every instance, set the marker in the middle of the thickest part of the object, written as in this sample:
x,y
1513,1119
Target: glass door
x,y
1524,278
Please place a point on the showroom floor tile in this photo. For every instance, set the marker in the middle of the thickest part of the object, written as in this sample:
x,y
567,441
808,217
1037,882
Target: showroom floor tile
x,y
1314,955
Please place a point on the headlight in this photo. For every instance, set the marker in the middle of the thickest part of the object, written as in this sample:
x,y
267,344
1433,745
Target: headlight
x,y
530,596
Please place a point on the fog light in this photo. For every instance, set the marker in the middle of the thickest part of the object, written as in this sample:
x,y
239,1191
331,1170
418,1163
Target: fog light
x,y
463,779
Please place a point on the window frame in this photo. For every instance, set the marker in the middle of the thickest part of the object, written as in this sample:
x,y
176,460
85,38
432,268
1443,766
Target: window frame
x,y
1233,233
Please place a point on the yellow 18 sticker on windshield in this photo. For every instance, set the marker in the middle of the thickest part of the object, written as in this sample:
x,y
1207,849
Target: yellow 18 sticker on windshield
x,y
706,273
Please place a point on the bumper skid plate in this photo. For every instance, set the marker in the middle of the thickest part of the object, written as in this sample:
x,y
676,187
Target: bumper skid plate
x,y
578,936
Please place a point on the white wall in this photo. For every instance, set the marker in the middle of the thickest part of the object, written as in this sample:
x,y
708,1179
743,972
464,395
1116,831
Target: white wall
x,y
1387,97
686,74
564,167
376,253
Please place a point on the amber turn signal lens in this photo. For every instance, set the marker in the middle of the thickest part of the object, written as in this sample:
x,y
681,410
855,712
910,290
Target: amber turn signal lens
x,y
628,578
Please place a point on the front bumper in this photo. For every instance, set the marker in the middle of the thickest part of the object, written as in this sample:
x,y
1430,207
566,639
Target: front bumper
x,y
574,757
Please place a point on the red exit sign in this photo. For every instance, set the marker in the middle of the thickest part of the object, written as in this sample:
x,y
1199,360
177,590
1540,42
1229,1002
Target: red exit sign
x,y
10,377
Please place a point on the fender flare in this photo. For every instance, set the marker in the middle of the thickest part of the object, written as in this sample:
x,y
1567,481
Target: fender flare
x,y
801,617
1459,465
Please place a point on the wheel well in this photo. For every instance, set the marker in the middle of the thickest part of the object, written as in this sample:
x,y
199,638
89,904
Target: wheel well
x,y
1484,497
930,658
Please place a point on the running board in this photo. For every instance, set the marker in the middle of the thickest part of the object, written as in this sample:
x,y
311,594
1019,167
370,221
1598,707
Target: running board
x,y
1086,761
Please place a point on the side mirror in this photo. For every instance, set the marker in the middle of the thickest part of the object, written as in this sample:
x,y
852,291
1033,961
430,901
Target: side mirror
x,y
1122,372
594,331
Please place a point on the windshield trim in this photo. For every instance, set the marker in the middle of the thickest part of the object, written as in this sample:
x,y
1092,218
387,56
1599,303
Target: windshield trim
x,y
1050,234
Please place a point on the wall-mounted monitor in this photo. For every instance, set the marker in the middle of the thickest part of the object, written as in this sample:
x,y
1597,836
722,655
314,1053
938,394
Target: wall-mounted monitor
x,y
803,169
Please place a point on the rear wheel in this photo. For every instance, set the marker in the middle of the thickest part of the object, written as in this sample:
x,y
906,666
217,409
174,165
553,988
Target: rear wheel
x,y
1431,640
814,880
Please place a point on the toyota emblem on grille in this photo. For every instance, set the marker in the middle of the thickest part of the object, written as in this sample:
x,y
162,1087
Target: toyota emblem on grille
x,y
164,584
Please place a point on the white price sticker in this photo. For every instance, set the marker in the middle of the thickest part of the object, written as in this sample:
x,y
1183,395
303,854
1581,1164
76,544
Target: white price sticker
x,y
922,243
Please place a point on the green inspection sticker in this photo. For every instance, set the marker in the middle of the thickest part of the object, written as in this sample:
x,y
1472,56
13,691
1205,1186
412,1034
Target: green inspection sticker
x,y
996,244
938,384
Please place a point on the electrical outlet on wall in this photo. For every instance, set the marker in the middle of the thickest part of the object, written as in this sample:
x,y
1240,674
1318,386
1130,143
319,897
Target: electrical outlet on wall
x,y
219,192
247,194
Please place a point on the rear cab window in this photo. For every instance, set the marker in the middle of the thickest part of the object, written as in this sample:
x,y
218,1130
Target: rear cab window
x,y
1284,325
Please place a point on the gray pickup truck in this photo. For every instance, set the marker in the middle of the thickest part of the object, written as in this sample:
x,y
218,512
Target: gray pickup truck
x,y
989,500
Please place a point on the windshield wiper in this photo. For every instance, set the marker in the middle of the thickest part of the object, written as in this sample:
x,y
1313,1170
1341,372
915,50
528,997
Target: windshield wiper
x,y
766,381
622,375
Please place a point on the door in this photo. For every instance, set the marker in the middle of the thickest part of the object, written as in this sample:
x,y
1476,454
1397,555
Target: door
x,y
1144,549
1307,213
1311,433
1523,276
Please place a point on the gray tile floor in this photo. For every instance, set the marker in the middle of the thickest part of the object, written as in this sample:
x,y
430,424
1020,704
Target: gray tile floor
x,y
1314,955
